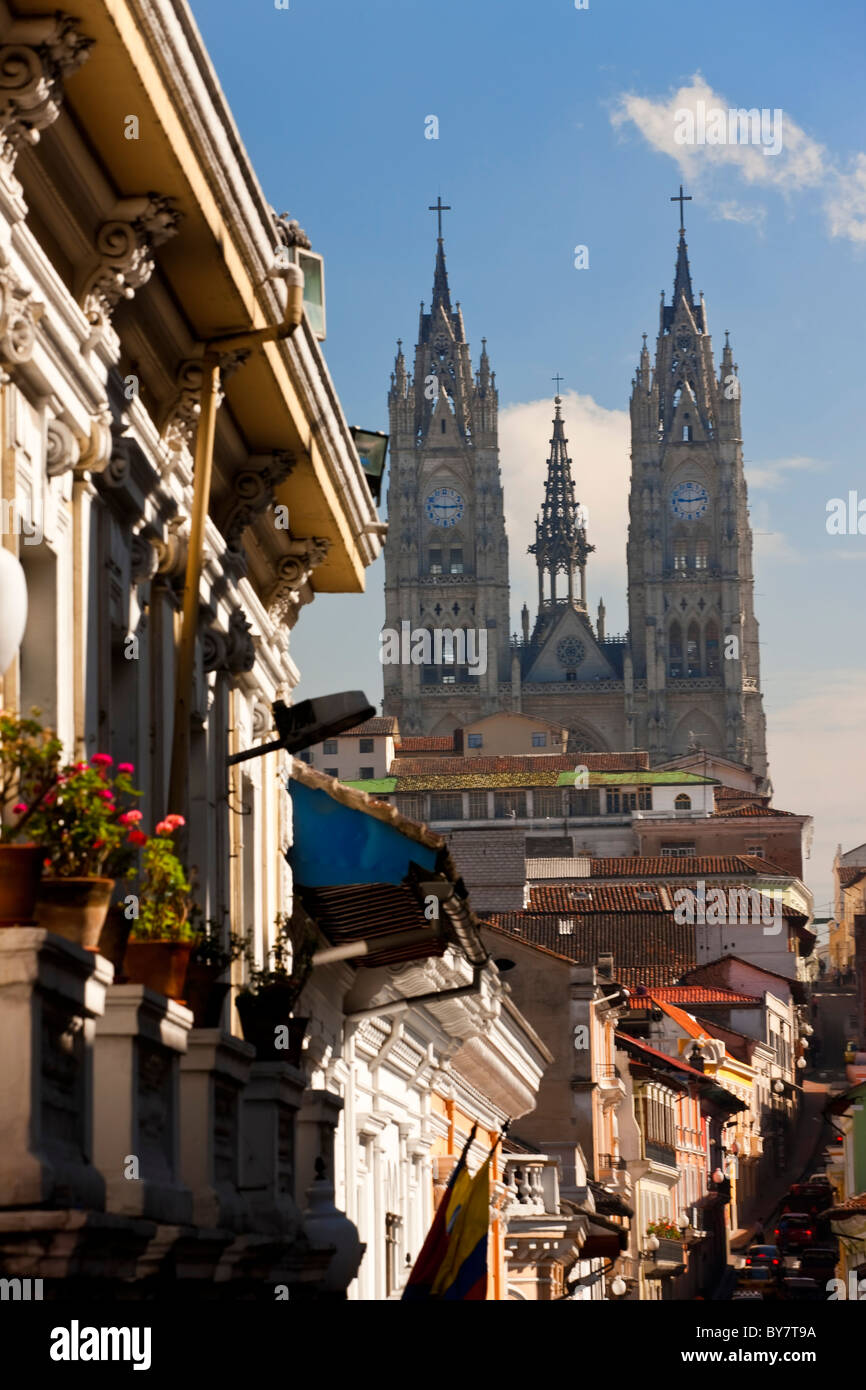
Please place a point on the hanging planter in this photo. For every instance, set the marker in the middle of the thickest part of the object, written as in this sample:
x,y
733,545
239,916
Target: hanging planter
x,y
162,937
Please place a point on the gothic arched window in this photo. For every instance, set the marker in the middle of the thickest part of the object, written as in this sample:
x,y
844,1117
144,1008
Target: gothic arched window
x,y
683,802
675,651
693,650
711,641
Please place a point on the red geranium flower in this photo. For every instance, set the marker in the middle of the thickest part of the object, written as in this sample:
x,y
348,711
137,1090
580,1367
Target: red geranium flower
x,y
126,767
19,808
137,837
102,759
129,818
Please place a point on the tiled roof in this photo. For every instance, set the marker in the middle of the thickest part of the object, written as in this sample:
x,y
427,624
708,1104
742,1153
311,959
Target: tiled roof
x,y
384,724
750,809
682,1019
715,970
850,874
626,1040
520,762
692,994
737,794
653,949
669,866
585,896
363,911
426,743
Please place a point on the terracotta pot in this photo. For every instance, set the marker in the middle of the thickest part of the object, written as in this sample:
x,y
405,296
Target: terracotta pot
x,y
20,871
261,1014
75,908
161,965
113,939
205,994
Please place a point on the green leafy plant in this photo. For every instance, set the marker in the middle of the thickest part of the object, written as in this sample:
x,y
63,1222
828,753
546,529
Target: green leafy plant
x,y
291,956
85,822
664,1230
166,911
210,941
29,769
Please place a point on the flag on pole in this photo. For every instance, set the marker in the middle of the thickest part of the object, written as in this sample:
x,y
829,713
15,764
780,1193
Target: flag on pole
x,y
435,1248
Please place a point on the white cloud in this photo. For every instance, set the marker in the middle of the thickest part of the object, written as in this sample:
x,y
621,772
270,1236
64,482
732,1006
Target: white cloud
x,y
767,476
801,163
598,445
806,770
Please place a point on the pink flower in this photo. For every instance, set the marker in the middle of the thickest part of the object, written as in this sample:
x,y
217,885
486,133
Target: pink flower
x,y
163,828
106,795
174,821
126,767
102,759
19,808
129,818
97,844
79,767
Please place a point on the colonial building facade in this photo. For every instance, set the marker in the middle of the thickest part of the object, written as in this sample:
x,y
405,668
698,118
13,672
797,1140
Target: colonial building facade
x,y
686,675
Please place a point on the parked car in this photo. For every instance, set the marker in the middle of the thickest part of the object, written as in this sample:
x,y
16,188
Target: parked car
x,y
811,1197
796,1229
819,1261
757,1278
766,1255
801,1289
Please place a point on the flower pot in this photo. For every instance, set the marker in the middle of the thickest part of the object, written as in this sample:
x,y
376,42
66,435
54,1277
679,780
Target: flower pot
x,y
20,871
262,1014
114,937
205,994
160,965
75,908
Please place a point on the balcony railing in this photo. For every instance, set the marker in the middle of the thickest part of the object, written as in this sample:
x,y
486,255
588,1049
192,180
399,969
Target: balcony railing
x,y
531,1183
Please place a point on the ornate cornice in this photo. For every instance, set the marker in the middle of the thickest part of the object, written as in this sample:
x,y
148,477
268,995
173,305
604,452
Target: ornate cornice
x,y
233,651
124,246
295,571
253,492
36,54
19,315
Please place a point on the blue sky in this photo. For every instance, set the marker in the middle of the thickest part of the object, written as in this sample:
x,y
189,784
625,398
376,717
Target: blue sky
x,y
554,130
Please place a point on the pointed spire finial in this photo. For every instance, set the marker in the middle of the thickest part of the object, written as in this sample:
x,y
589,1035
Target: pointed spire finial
x,y
682,198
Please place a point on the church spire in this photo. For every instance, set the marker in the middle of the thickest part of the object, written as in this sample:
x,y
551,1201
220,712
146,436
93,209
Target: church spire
x,y
560,531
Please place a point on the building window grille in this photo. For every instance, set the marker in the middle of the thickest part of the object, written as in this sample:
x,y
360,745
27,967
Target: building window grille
x,y
475,740
366,745
330,746
446,806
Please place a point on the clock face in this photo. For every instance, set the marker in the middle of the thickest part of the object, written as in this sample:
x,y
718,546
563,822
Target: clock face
x,y
444,506
570,651
689,501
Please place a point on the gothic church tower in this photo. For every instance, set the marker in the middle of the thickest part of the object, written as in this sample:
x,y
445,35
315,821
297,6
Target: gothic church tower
x,y
693,632
446,555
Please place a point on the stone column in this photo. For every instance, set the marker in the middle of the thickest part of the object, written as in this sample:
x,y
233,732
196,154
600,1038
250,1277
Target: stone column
x,y
270,1102
213,1073
136,1113
51,991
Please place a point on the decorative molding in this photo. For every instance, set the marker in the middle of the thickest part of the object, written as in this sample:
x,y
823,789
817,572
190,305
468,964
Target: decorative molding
x,y
233,651
143,558
180,419
19,315
97,447
294,571
37,53
253,492
124,246
171,549
62,448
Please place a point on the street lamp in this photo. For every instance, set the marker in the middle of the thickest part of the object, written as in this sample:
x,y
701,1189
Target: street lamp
x,y
778,1087
13,610
372,446
683,1222
801,1062
618,1286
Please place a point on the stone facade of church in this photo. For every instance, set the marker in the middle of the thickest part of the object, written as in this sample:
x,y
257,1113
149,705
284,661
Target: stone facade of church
x,y
687,673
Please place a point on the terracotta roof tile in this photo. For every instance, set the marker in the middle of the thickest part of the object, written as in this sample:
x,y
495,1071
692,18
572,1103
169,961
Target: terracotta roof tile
x,y
849,874
519,762
691,994
586,896
384,724
426,743
669,866
646,947
749,808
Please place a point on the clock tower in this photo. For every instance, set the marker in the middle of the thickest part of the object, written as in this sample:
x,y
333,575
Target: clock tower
x,y
446,555
695,678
